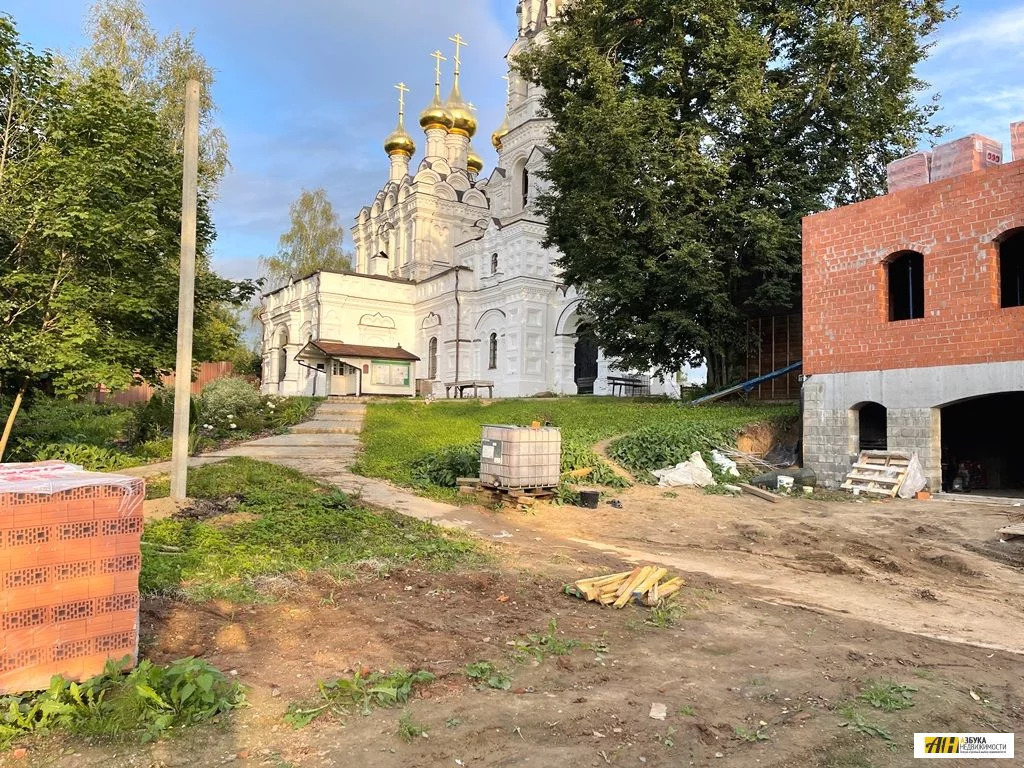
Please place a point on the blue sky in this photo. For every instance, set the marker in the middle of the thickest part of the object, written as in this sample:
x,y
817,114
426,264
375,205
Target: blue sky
x,y
306,97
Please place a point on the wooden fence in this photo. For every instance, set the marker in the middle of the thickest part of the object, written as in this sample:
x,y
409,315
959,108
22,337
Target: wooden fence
x,y
143,392
775,343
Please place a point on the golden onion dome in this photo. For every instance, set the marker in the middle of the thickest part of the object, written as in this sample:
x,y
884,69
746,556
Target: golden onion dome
x,y
400,142
436,116
499,135
463,121
474,162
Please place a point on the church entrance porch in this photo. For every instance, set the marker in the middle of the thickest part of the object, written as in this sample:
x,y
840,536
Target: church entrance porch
x,y
354,370
344,379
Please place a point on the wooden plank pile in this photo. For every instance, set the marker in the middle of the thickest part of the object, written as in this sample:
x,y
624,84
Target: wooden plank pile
x,y
878,472
643,584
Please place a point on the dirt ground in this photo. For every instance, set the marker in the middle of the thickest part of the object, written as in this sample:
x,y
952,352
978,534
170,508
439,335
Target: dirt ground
x,y
789,610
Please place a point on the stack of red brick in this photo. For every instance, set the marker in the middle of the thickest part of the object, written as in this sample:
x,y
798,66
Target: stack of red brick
x,y
954,158
69,568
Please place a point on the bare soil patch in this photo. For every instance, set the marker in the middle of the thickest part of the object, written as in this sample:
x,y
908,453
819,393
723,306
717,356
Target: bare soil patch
x,y
790,610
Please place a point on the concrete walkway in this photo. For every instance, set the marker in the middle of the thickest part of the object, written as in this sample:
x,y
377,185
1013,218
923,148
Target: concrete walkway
x,y
326,447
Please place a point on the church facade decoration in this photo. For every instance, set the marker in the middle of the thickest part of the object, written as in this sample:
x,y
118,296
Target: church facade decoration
x,y
453,258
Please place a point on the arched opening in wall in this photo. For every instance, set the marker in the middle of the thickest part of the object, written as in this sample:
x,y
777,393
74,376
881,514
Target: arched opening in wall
x,y
982,449
526,187
492,352
1011,269
494,263
872,427
282,355
905,277
432,358
518,196
585,370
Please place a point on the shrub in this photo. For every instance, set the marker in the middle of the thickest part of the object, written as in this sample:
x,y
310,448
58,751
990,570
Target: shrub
x,y
445,466
229,397
94,458
146,702
282,412
155,449
657,447
577,454
155,419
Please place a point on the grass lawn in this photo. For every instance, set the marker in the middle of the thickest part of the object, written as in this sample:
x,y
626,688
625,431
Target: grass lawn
x,y
279,522
397,434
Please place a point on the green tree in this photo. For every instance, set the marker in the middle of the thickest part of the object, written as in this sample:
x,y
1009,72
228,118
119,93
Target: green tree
x,y
90,216
690,138
156,69
223,339
313,243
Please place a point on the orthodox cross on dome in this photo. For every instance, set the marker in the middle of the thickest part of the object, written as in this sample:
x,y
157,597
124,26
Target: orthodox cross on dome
x,y
508,89
438,58
459,41
402,90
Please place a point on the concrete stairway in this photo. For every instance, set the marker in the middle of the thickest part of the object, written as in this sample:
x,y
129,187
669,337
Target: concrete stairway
x,y
334,418
332,434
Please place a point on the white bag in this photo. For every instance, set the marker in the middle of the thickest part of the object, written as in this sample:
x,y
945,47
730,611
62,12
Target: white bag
x,y
690,473
724,463
914,481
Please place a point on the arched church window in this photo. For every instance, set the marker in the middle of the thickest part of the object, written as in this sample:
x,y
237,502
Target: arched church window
x,y
526,187
492,353
282,363
282,355
432,358
494,263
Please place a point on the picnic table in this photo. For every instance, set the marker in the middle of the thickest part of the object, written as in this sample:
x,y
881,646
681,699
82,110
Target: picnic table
x,y
460,388
630,386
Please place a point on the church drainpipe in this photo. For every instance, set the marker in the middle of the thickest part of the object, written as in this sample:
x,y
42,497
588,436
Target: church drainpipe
x,y
458,325
315,371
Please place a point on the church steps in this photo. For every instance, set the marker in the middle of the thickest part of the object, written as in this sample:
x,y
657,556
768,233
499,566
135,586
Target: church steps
x,y
328,428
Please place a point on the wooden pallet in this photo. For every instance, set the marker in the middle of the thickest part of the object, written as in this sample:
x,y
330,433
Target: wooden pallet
x,y
878,472
525,496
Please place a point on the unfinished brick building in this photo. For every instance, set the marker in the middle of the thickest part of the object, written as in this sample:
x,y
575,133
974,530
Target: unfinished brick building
x,y
914,323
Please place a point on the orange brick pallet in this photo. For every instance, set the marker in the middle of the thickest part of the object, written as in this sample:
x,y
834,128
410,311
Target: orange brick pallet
x,y
70,556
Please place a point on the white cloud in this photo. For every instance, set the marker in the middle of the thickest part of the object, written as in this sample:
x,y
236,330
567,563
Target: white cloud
x,y
1002,29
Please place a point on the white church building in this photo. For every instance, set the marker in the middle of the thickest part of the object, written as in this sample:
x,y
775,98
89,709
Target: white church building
x,y
452,286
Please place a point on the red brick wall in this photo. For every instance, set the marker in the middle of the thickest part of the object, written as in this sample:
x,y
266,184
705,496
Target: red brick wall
x,y
954,223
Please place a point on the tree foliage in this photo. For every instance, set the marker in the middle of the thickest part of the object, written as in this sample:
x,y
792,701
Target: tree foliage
x,y
313,243
156,70
690,138
90,217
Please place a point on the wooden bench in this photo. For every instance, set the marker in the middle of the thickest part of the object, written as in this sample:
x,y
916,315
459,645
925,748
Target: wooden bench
x,y
630,386
460,388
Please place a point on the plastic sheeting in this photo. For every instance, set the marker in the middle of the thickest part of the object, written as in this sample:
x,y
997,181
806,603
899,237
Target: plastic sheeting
x,y
725,464
690,473
914,481
50,477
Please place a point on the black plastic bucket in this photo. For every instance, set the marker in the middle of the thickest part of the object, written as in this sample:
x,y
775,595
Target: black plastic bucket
x,y
589,499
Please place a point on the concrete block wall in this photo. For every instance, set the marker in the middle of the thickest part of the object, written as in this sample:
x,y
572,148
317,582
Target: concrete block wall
x,y
826,436
913,398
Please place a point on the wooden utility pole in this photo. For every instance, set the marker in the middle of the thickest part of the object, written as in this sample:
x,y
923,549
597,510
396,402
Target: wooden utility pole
x,y
186,293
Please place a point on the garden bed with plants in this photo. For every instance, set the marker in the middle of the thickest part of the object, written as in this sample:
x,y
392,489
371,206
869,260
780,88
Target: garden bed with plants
x,y
429,446
107,438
